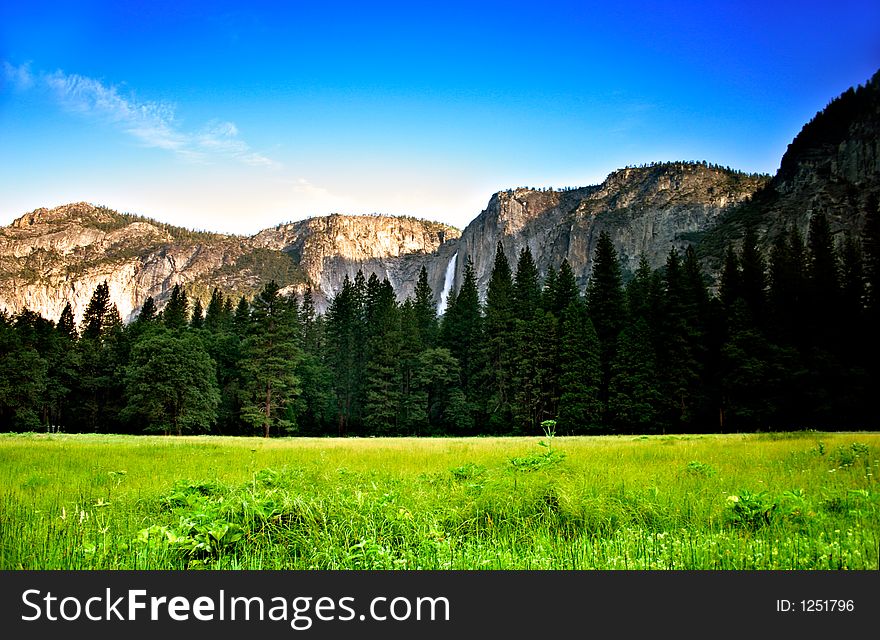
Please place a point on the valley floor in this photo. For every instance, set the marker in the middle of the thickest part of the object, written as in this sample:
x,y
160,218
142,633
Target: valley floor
x,y
803,500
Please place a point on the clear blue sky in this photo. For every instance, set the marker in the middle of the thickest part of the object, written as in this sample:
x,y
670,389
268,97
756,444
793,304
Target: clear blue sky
x,y
237,116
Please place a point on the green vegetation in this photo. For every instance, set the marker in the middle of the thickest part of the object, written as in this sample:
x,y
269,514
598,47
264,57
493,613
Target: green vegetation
x,y
775,501
113,220
787,343
265,265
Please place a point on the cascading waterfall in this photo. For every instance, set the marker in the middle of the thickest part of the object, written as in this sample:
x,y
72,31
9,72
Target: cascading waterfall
x,y
447,283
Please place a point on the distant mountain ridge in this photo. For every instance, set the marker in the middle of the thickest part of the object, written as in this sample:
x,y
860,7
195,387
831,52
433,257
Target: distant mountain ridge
x,y
51,256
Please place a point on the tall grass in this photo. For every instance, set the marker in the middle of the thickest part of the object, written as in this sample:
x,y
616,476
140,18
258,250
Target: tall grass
x,y
778,501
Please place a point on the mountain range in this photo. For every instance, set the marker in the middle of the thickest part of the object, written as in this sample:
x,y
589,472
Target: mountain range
x,y
49,257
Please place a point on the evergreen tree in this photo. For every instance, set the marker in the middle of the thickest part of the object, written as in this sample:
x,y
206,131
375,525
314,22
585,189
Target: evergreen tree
x,y
633,394
750,374
605,304
170,384
425,311
63,361
526,289
175,313
96,398
679,342
462,334
823,280
871,251
413,416
270,357
148,311
639,291
382,386
730,286
23,379
98,317
66,323
788,287
499,343
215,315
567,290
580,407
197,320
549,292
344,334
754,276
241,319
534,375
852,280
437,376
223,341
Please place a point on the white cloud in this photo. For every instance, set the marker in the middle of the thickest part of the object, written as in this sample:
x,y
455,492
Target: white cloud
x,y
18,77
153,124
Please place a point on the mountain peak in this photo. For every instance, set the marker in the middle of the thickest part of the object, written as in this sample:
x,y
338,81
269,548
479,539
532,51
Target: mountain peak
x,y
75,212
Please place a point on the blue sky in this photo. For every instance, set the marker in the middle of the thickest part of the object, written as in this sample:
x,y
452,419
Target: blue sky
x,y
237,116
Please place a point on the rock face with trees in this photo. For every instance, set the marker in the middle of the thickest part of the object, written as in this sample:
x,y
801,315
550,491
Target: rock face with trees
x,y
787,341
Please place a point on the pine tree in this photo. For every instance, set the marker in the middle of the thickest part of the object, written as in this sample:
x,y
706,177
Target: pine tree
x,y
270,357
823,280
750,374
98,392
605,304
754,276
413,416
174,315
425,311
23,379
197,320
461,333
344,333
871,252
633,394
241,319
97,318
788,288
730,287
549,292
215,316
382,386
526,289
567,290
852,280
148,311
437,376
679,341
580,407
66,323
499,343
224,345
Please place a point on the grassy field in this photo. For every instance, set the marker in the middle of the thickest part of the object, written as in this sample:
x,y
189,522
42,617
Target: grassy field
x,y
774,501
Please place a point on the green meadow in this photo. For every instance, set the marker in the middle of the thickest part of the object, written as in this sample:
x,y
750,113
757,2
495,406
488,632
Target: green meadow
x,y
802,500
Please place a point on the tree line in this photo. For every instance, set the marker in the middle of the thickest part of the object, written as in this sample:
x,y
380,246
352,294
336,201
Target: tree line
x,y
786,341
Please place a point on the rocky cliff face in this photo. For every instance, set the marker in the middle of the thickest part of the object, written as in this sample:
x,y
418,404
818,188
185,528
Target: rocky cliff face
x,y
51,257
832,165
646,210
329,248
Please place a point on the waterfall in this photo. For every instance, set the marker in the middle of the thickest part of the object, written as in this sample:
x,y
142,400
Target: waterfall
x,y
447,283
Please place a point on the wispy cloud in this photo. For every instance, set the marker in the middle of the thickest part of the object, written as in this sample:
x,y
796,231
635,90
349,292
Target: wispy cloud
x,y
153,124
19,78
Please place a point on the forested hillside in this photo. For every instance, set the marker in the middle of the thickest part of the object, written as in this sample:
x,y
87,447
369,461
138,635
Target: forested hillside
x,y
789,341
